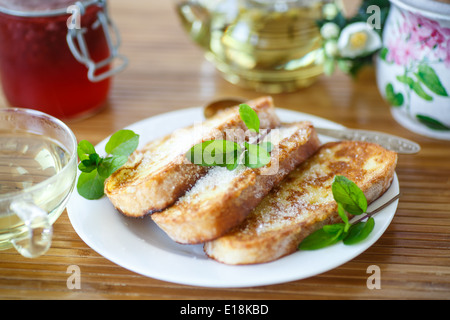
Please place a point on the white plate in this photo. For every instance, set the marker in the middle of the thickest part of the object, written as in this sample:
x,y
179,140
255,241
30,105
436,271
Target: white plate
x,y
140,246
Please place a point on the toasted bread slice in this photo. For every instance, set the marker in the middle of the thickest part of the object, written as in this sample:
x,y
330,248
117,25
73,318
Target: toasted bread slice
x,y
303,202
222,199
158,174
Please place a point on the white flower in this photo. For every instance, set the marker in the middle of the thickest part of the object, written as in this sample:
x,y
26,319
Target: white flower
x,y
330,11
330,30
331,48
358,39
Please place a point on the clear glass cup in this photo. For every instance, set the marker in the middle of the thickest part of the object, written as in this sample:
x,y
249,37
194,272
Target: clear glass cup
x,y
268,45
38,165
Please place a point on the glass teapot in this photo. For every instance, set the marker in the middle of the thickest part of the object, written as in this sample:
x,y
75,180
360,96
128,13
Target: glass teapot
x,y
268,45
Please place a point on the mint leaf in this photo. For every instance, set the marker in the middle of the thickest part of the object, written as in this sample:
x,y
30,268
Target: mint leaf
x,y
195,153
89,163
349,195
223,153
87,166
91,185
336,228
256,156
234,165
84,149
96,169
250,117
343,216
267,145
122,143
320,239
359,231
110,165
227,154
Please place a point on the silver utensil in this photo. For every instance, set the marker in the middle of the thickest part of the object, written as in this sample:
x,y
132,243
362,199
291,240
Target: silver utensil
x,y
388,141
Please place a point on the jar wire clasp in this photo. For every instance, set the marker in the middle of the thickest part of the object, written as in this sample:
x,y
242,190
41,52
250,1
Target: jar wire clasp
x,y
78,47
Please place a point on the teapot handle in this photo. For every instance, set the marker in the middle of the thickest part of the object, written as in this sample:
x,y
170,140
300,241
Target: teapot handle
x,y
37,238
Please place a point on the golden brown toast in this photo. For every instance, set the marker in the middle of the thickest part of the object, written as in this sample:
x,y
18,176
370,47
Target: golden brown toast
x,y
303,202
222,199
158,174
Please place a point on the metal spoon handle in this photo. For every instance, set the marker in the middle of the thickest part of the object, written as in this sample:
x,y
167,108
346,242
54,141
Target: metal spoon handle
x,y
390,142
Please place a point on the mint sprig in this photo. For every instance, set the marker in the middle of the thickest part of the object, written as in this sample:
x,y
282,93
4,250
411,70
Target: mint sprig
x,y
349,198
96,169
225,153
250,117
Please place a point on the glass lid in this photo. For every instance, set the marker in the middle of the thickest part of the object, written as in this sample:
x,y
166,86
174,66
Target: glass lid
x,y
40,8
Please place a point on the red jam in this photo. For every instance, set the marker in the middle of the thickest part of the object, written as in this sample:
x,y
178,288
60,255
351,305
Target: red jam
x,y
39,71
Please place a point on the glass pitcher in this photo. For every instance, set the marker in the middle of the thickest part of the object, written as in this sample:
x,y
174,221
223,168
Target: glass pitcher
x,y
268,45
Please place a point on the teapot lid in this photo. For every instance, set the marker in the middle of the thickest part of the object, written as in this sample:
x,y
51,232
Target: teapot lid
x,y
439,9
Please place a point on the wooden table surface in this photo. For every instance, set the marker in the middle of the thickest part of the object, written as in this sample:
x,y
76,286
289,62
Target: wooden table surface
x,y
167,72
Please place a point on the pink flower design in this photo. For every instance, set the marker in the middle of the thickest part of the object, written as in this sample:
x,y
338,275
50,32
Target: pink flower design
x,y
419,37
446,54
402,53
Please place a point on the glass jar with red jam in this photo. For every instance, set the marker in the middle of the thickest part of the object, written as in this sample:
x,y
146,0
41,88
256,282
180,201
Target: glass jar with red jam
x,y
56,56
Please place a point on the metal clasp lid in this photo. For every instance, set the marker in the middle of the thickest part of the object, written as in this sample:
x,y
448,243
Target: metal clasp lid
x,y
81,53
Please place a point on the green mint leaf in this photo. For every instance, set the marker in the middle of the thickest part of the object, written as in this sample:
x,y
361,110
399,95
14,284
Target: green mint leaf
x,y
349,195
90,161
84,149
122,143
344,217
428,77
195,153
250,117
334,229
87,165
267,145
221,153
256,156
91,185
94,158
95,169
110,165
233,165
320,239
359,231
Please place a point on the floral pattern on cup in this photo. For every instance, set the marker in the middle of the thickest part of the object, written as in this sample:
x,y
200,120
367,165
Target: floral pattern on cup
x,y
417,44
